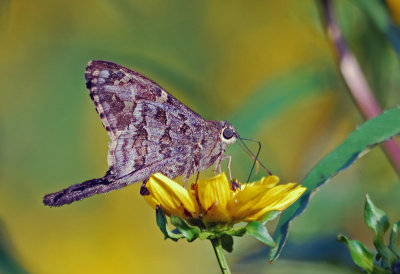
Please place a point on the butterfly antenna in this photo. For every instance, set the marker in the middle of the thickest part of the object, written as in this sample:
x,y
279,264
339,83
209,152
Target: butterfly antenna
x,y
246,148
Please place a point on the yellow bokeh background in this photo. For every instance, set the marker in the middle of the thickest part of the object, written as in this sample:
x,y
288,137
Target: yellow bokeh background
x,y
265,65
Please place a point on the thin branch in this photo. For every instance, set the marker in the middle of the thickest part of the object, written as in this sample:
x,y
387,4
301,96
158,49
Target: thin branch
x,y
355,79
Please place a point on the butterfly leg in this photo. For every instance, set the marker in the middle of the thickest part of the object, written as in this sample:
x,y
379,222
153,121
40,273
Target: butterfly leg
x,y
218,165
229,157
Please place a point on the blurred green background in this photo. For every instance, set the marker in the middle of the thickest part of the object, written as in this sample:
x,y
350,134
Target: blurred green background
x,y
265,66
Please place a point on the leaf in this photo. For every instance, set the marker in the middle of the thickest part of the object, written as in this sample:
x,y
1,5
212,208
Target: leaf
x,y
239,231
358,143
394,239
379,15
377,12
162,221
269,216
162,224
260,232
191,233
227,243
360,255
378,221
207,235
375,218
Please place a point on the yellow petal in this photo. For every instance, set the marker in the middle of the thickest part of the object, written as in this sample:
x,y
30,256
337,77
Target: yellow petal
x,y
276,200
171,197
266,182
260,185
257,198
243,203
214,195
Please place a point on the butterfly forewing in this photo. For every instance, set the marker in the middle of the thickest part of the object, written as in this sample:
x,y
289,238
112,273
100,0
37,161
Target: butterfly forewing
x,y
116,91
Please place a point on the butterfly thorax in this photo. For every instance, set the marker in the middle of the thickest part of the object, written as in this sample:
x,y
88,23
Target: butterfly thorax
x,y
214,144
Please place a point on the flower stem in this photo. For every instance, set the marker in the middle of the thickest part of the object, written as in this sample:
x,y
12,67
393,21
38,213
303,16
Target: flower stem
x,y
216,243
355,79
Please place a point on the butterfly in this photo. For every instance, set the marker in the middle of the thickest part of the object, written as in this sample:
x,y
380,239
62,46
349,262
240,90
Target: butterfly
x,y
149,131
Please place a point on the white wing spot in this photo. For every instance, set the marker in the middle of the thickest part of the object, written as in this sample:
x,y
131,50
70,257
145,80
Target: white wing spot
x,y
93,89
125,79
96,73
116,83
138,79
128,106
94,80
104,73
163,98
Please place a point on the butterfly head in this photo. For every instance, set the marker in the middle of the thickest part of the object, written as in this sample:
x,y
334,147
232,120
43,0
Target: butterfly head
x,y
228,133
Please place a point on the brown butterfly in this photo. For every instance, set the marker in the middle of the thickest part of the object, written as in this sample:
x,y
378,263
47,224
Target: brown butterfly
x,y
150,131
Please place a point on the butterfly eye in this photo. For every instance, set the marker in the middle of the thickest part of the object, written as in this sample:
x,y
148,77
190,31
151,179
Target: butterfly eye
x,y
228,133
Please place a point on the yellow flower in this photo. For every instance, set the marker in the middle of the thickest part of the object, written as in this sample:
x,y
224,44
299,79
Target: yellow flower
x,y
216,200
171,197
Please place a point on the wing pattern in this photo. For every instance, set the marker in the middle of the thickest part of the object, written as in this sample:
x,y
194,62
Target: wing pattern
x,y
146,124
150,131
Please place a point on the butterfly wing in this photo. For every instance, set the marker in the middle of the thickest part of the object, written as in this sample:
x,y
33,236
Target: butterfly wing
x,y
146,124
116,91
150,131
159,134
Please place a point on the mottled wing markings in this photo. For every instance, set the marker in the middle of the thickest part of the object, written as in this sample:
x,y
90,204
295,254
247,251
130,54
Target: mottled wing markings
x,y
129,103
116,90
150,131
159,132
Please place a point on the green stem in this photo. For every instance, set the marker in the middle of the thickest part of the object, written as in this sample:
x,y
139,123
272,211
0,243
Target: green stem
x,y
216,243
355,79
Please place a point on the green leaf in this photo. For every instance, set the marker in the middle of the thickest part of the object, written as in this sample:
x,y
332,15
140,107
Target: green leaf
x,y
360,255
227,243
377,12
191,233
375,218
269,216
378,221
162,224
260,232
237,231
357,144
394,239
380,17
207,235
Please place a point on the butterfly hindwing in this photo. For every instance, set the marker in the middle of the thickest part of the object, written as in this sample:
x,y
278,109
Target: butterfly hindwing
x,y
156,136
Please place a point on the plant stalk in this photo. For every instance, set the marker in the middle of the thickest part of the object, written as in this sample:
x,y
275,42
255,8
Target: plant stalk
x,y
355,80
216,243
